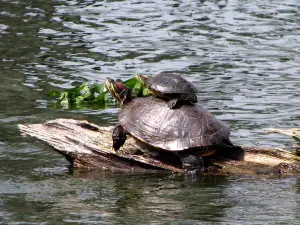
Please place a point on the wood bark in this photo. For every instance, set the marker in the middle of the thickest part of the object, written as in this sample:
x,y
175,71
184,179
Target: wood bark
x,y
86,145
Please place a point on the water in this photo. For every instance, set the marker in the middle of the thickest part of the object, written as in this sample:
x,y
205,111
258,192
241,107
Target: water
x,y
242,55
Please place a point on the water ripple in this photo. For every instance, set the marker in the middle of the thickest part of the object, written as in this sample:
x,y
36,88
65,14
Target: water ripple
x,y
242,55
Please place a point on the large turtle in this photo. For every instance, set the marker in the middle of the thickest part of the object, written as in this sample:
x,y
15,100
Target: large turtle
x,y
189,131
170,86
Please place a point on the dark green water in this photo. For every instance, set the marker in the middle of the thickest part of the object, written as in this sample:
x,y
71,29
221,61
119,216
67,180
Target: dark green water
x,y
244,57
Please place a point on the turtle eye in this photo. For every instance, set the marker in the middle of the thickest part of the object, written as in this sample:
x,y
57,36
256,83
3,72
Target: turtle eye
x,y
144,78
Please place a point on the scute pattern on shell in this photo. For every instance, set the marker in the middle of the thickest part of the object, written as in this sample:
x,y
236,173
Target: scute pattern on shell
x,y
190,126
171,83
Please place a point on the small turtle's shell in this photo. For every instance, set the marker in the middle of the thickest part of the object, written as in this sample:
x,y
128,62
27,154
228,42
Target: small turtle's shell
x,y
153,122
170,83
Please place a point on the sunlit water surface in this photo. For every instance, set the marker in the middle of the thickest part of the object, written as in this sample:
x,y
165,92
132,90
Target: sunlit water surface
x,y
242,55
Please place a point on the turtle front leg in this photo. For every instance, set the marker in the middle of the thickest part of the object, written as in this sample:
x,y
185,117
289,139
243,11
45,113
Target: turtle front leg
x,y
119,137
172,103
192,163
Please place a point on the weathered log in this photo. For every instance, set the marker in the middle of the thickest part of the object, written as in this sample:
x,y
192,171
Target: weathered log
x,y
87,145
294,132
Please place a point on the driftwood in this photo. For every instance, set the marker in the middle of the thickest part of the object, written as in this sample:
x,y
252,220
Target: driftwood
x,y
87,145
294,133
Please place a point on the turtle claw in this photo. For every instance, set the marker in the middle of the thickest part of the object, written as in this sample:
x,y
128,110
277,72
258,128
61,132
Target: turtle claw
x,y
114,150
172,103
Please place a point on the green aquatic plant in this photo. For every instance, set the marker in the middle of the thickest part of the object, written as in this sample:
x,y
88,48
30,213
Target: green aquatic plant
x,y
95,96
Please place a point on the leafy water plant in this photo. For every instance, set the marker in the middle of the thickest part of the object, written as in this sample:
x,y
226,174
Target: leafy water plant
x,y
95,96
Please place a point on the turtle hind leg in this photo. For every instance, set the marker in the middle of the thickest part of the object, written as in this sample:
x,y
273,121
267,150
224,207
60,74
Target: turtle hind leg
x,y
189,97
192,163
119,137
228,150
232,152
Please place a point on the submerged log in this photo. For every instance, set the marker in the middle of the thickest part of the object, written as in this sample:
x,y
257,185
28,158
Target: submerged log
x,y
87,145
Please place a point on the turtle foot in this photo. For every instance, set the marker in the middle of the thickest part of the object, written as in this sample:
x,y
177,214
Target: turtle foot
x,y
172,103
119,137
192,164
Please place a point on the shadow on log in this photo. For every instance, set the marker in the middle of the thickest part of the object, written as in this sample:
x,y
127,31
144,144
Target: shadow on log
x,y
87,145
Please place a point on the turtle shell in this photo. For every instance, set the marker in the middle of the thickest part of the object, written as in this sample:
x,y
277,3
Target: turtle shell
x,y
170,83
190,126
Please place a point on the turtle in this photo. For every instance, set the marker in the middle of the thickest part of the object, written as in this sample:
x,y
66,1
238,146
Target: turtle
x,y
170,86
189,131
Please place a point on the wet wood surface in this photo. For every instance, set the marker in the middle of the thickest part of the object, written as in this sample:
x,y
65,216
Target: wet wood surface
x,y
86,145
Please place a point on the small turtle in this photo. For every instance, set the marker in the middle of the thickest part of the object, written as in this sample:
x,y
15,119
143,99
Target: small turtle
x,y
170,86
189,131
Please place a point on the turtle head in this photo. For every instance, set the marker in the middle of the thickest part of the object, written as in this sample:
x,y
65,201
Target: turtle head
x,y
142,79
118,90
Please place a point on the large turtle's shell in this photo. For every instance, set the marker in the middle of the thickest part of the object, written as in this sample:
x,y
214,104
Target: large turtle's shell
x,y
153,122
170,83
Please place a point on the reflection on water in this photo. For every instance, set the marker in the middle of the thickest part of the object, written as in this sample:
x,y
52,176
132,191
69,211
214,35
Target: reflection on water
x,y
242,55
144,198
